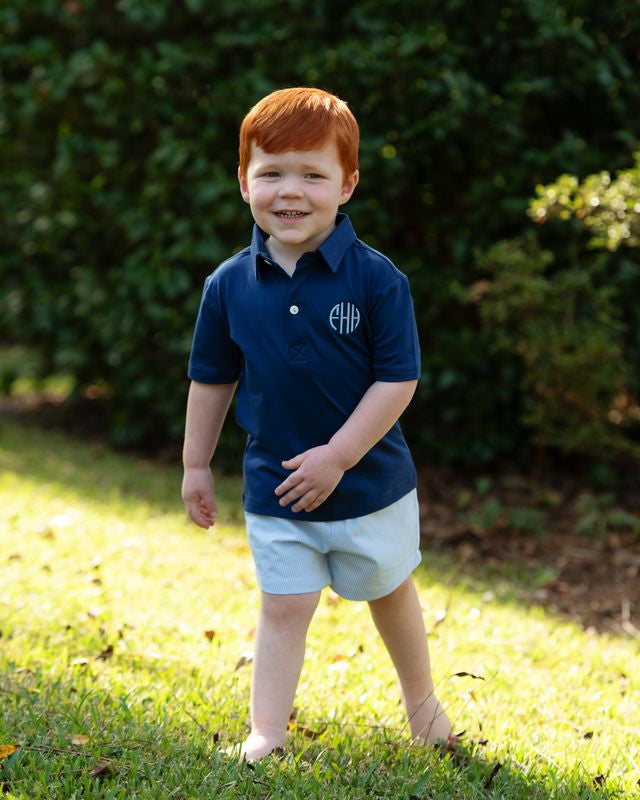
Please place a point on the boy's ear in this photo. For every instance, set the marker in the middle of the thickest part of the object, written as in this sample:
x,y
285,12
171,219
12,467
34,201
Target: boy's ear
x,y
348,186
244,186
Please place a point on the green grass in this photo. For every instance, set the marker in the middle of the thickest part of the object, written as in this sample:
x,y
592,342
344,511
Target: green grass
x,y
106,592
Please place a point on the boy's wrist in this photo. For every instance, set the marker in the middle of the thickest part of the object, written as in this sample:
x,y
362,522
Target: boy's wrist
x,y
195,466
343,458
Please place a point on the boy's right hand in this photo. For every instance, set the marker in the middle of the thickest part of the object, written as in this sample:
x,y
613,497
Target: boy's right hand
x,y
198,496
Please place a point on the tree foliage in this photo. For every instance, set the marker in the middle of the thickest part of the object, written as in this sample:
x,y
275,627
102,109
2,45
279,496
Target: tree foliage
x,y
608,209
118,194
568,332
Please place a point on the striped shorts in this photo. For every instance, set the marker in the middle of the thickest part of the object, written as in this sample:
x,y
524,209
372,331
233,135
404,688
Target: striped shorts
x,y
363,558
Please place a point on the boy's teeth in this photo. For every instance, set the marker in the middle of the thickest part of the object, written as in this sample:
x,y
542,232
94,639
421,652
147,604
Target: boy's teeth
x,y
291,213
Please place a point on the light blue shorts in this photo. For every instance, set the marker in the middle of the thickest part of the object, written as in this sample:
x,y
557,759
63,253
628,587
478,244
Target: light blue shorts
x,y
361,559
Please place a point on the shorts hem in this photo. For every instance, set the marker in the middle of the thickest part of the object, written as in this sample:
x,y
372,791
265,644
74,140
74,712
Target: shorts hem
x,y
291,586
390,585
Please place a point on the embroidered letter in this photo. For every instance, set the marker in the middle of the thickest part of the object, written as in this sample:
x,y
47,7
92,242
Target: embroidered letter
x,y
344,318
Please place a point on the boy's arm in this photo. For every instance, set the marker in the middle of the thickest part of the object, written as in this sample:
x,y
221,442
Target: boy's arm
x,y
207,408
319,470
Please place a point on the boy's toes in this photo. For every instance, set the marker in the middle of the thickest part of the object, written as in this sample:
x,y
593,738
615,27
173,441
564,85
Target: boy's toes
x,y
256,746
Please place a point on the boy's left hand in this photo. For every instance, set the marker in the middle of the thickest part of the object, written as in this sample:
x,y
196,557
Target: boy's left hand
x,y
316,475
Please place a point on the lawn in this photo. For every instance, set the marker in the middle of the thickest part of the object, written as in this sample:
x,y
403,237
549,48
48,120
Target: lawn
x,y
125,647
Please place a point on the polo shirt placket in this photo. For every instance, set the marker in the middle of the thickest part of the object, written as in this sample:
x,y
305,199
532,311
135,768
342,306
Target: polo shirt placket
x,y
297,313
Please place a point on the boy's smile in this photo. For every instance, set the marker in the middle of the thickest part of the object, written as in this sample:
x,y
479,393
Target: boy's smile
x,y
294,197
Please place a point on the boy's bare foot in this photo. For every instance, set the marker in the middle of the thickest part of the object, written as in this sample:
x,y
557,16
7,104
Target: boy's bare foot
x,y
257,746
429,722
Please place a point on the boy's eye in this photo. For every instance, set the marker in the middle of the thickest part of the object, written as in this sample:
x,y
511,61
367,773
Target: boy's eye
x,y
313,175
271,174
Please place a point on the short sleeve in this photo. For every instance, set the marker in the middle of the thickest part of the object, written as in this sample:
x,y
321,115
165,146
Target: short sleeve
x,y
215,357
396,349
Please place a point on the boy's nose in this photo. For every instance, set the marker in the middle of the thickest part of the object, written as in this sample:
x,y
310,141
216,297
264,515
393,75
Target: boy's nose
x,y
290,188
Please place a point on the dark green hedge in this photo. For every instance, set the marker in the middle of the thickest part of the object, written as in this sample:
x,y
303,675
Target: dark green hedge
x,y
118,191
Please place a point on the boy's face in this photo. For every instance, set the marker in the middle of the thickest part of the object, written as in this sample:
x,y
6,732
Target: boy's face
x,y
295,195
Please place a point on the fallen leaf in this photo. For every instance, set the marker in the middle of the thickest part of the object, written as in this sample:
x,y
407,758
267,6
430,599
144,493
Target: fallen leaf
x,y
307,732
80,740
588,735
599,780
209,634
245,658
80,662
8,749
103,769
105,654
467,675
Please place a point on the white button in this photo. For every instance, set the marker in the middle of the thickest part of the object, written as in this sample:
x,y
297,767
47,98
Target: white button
x,y
294,310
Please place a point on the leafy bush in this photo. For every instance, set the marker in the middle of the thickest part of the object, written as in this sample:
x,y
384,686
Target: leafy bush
x,y
608,209
567,330
119,134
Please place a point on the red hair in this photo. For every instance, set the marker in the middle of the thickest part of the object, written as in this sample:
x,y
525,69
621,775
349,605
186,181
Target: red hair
x,y
300,119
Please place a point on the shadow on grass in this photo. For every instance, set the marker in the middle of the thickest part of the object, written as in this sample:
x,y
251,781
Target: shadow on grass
x,y
95,473
79,739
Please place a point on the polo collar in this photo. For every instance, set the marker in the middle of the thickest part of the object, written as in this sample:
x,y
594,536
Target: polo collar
x,y
332,249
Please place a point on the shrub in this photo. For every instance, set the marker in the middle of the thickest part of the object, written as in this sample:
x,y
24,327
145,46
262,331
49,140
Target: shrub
x,y
567,330
119,128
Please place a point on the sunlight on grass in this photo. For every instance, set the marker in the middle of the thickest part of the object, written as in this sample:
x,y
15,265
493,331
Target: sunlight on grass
x,y
122,625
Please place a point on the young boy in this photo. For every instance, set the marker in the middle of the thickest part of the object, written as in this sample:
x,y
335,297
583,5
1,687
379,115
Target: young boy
x,y
318,332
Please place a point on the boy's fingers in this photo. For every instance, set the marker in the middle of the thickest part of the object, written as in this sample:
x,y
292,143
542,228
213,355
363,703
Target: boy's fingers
x,y
289,483
307,502
202,511
293,463
315,503
295,493
200,520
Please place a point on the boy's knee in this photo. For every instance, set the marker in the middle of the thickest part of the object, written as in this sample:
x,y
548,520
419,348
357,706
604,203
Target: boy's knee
x,y
284,607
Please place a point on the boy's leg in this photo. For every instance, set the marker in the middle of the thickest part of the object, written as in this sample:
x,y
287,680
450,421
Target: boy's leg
x,y
280,643
398,617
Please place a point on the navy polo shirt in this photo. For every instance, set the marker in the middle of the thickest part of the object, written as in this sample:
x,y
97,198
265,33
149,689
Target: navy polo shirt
x,y
305,348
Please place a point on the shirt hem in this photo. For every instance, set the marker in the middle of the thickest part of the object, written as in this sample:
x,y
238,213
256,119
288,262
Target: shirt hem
x,y
320,515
